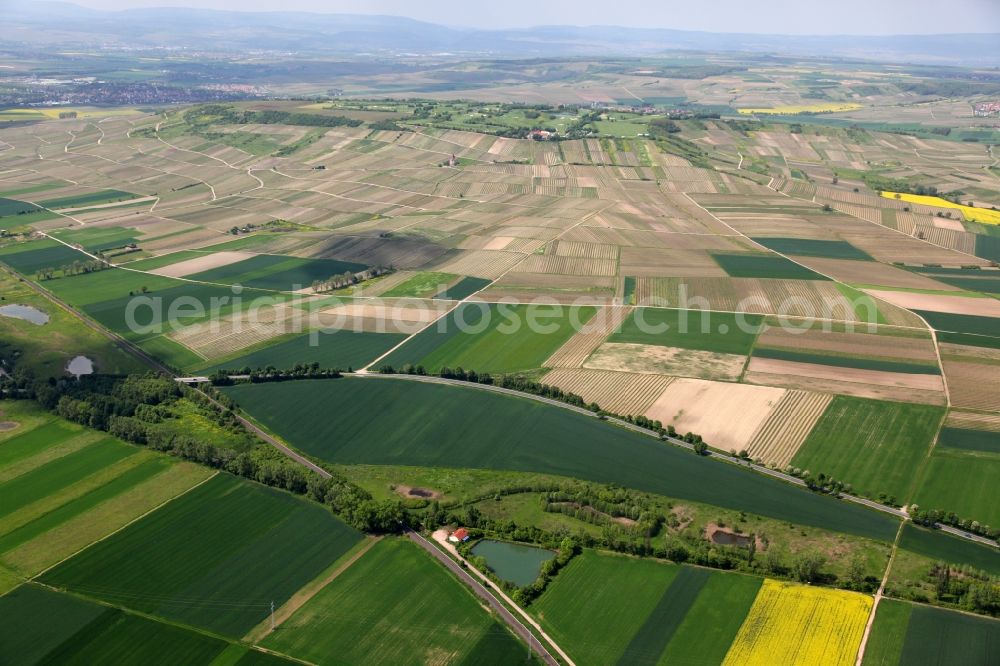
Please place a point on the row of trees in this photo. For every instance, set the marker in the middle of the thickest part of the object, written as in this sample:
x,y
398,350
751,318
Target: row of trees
x,y
78,267
930,517
272,374
350,278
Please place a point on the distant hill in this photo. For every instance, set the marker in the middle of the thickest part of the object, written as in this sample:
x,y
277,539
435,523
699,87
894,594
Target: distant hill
x,y
45,24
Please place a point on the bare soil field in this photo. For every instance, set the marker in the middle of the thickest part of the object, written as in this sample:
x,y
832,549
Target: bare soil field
x,y
567,265
617,392
402,315
627,357
873,273
855,344
576,350
928,389
985,307
213,339
487,264
725,415
973,421
973,385
661,262
207,262
778,439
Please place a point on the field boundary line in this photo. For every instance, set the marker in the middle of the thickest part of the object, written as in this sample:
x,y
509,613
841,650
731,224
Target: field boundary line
x,y
164,621
126,525
878,596
308,591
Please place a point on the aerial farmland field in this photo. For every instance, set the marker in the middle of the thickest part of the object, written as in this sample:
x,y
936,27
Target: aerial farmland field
x,y
795,624
394,606
227,541
454,431
301,317
65,487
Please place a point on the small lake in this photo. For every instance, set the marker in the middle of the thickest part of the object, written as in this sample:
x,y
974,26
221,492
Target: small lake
x,y
513,562
80,365
25,312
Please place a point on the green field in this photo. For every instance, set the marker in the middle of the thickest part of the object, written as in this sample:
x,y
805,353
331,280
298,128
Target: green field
x,y
943,547
915,635
723,332
227,545
162,260
277,272
599,602
811,247
29,258
45,627
94,239
492,337
609,609
764,266
970,440
62,487
964,482
335,349
105,297
395,605
885,644
25,220
971,339
874,445
956,323
59,474
433,425
421,285
712,621
13,207
88,199
462,289
847,361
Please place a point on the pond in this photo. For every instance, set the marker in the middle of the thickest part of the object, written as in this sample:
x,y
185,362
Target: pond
x,y
80,365
513,562
25,312
727,538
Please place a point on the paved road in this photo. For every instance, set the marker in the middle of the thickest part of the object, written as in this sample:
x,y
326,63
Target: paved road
x,y
482,593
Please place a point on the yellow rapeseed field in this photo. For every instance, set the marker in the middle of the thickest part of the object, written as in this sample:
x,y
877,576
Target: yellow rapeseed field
x,y
792,109
793,624
977,214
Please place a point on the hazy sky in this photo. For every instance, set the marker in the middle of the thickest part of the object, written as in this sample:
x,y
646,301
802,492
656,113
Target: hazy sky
x,y
763,16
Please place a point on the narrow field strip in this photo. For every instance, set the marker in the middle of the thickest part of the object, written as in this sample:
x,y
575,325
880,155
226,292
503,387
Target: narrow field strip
x,y
778,439
616,392
37,454
21,491
79,532
41,519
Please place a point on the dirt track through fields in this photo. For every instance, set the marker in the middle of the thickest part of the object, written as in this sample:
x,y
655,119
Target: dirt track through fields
x,y
310,590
